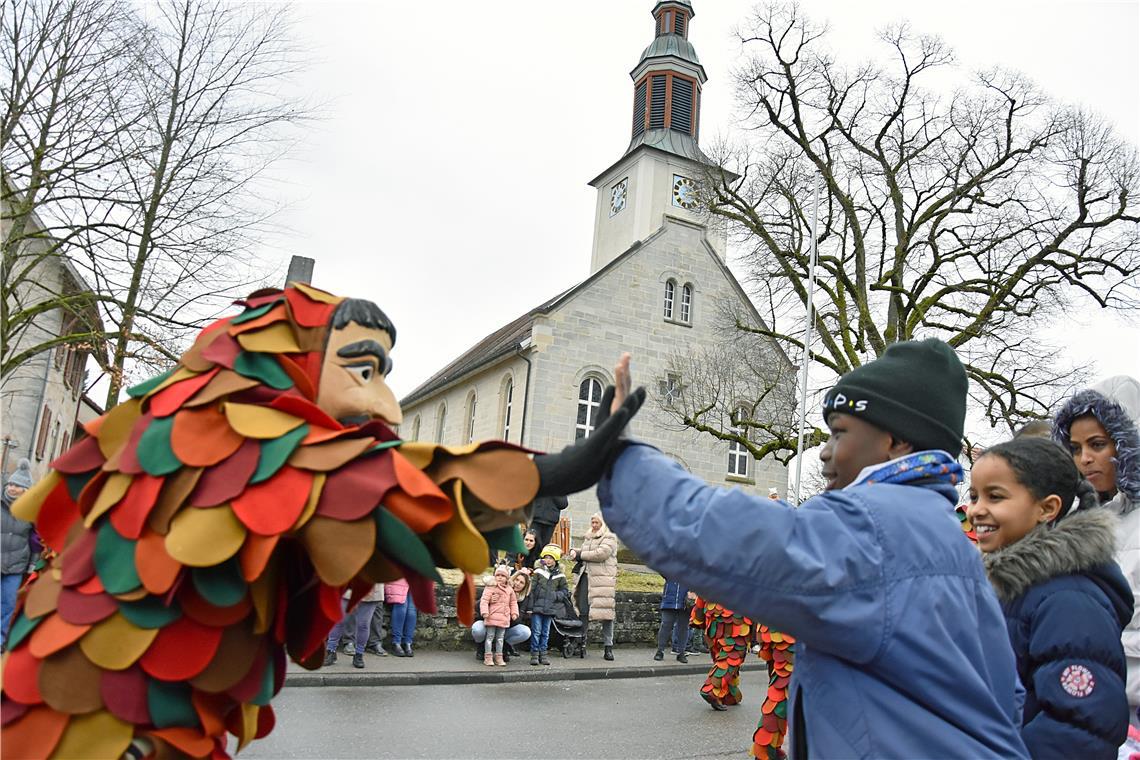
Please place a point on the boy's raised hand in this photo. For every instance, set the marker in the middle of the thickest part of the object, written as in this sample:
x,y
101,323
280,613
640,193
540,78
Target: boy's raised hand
x,y
581,465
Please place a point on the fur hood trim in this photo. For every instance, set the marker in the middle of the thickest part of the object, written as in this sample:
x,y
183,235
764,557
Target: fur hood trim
x,y
1111,404
1076,544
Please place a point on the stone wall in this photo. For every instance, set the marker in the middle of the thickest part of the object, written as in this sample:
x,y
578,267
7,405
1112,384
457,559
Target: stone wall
x,y
637,620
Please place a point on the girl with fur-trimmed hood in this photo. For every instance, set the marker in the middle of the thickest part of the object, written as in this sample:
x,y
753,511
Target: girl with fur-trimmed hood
x,y
1064,597
1101,427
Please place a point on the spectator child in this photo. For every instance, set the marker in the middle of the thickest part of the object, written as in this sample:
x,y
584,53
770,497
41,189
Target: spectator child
x,y
549,591
1064,597
899,632
499,606
403,617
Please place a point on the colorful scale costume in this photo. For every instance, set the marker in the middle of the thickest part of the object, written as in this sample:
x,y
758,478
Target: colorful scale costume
x,y
208,526
778,650
967,526
729,635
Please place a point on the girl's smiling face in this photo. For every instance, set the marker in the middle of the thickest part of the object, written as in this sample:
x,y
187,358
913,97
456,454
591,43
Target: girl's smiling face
x,y
1002,510
528,541
518,583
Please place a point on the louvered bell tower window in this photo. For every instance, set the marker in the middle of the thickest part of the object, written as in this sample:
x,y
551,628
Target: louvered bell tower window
x,y
657,101
682,119
639,109
665,101
672,21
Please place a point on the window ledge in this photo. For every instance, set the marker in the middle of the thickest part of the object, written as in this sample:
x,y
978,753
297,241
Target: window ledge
x,y
743,480
677,322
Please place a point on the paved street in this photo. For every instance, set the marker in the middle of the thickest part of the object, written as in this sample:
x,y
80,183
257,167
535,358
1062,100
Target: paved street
x,y
628,718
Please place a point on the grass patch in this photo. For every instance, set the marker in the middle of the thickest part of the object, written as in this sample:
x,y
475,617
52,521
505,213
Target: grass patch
x,y
626,581
649,582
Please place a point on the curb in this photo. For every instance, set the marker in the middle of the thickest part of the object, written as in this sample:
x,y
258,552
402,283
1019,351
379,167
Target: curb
x,y
453,678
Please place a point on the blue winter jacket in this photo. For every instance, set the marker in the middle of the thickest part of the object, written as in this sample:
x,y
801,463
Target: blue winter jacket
x,y
902,648
1065,603
673,596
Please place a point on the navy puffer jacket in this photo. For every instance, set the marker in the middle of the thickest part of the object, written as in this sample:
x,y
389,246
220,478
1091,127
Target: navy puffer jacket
x,y
1066,602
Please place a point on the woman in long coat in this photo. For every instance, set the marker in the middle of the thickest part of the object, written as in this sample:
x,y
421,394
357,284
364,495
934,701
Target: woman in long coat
x,y
595,579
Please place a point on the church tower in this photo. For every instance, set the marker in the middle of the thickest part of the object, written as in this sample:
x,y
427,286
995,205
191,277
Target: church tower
x,y
658,173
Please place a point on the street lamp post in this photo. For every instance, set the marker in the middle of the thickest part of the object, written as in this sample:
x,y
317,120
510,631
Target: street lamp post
x,y
806,356
9,443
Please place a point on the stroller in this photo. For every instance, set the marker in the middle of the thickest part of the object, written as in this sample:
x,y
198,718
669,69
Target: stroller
x,y
569,635
568,632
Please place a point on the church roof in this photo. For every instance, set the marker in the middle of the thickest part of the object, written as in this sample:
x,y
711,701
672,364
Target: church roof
x,y
506,340
671,45
671,141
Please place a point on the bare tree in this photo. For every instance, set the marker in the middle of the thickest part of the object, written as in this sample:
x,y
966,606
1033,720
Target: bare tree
x,y
975,217
176,112
64,68
741,389
213,109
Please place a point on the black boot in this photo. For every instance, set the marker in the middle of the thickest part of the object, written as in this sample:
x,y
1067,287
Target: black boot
x,y
683,657
330,658
478,651
659,655
358,660
609,652
408,651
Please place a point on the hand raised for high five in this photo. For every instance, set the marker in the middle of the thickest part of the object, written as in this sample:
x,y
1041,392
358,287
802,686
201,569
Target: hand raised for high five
x,y
581,465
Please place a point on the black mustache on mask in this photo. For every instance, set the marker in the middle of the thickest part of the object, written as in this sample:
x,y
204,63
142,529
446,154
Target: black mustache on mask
x,y
356,419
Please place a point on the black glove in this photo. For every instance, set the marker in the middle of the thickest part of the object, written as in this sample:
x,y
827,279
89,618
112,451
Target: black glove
x,y
581,465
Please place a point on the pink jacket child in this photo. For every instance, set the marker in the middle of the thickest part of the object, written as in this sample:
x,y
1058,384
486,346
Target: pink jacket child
x,y
396,592
499,604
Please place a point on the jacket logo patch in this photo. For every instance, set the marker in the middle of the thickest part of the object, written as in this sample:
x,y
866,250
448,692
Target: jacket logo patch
x,y
1078,681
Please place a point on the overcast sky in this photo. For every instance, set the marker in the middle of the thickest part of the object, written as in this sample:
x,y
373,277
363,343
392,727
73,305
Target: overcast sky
x,y
447,177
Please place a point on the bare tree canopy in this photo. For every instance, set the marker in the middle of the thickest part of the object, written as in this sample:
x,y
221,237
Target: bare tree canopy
x,y
133,140
975,215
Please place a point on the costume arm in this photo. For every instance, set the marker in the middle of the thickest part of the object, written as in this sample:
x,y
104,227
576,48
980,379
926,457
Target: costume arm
x,y
1069,636
815,572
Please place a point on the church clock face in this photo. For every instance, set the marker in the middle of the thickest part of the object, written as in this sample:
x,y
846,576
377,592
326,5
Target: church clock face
x,y
684,192
618,195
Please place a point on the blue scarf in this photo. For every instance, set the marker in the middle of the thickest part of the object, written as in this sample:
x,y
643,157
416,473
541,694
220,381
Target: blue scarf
x,y
929,466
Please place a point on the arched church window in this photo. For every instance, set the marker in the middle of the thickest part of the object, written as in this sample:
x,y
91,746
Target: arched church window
x,y
469,427
589,401
670,295
415,428
441,420
687,303
508,400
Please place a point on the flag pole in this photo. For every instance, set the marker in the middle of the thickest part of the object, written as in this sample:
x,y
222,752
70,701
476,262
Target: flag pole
x,y
806,356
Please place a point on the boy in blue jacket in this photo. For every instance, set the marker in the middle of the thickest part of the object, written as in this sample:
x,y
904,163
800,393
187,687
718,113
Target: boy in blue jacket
x,y
902,644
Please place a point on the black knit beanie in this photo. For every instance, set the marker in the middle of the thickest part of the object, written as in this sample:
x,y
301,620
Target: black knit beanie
x,y
915,391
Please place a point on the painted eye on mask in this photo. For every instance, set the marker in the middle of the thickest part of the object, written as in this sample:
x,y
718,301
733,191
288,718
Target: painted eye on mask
x,y
363,371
